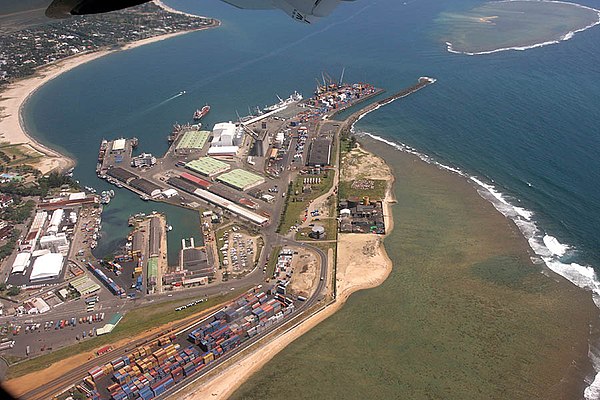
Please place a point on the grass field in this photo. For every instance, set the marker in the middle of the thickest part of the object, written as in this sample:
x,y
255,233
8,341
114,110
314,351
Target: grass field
x,y
376,193
132,324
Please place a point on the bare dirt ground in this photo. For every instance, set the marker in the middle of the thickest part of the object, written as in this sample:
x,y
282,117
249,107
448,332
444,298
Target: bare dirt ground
x,y
360,164
306,271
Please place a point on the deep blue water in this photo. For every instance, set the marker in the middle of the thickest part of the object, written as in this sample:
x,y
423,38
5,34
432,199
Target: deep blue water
x,y
525,120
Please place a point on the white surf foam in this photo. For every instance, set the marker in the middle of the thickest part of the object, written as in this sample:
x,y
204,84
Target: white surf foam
x,y
555,247
567,36
548,249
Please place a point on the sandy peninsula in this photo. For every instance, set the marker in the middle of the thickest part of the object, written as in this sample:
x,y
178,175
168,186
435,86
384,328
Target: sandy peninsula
x,y
356,270
12,99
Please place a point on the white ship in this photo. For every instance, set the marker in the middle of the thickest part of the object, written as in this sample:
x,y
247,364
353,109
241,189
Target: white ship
x,y
294,98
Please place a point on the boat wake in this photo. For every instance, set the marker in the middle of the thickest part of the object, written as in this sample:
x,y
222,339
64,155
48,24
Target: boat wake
x,y
548,249
565,37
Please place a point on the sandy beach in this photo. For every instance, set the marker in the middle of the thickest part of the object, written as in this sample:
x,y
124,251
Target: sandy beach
x,y
356,270
12,99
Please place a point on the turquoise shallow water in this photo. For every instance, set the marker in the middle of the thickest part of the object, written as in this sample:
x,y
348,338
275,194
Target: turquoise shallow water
x,y
524,121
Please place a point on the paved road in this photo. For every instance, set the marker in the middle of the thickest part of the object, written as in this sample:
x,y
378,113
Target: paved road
x,y
74,376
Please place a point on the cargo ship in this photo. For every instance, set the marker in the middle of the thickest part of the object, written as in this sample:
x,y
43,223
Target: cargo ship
x,y
200,113
294,98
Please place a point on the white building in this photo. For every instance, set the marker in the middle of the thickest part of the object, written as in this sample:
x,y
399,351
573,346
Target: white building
x,y
54,242
226,134
168,193
55,221
48,266
30,241
21,263
77,196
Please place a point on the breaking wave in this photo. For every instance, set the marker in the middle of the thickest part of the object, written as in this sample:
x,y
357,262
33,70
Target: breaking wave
x,y
547,248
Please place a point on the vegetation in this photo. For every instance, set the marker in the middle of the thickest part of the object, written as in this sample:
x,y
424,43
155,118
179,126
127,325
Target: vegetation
x,y
133,323
7,248
273,261
296,201
376,193
17,214
41,187
17,157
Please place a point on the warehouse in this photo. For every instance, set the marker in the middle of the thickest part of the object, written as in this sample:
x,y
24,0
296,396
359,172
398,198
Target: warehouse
x,y
137,246
151,189
182,184
84,285
195,180
195,261
121,174
192,141
241,179
208,166
21,263
320,153
48,266
231,207
223,151
119,145
155,233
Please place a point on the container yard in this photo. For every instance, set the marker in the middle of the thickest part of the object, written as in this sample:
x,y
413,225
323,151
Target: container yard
x,y
149,371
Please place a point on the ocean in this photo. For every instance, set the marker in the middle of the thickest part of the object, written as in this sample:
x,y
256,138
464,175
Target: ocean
x,y
523,123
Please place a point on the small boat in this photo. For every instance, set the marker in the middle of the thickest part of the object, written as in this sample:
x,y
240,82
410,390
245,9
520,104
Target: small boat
x,y
200,113
169,228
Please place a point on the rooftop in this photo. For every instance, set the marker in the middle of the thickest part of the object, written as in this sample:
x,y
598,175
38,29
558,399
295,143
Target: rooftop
x,y
241,179
193,140
208,166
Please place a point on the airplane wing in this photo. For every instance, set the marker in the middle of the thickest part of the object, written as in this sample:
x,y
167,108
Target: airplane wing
x,y
300,10
307,11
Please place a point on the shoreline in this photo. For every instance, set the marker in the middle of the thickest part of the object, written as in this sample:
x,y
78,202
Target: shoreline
x,y
354,273
14,97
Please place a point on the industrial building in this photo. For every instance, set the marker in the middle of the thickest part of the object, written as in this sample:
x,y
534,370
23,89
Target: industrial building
x,y
195,180
241,179
192,141
196,260
227,138
56,243
84,285
219,201
47,266
121,174
223,151
21,263
155,237
30,241
147,187
208,166
226,134
118,145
